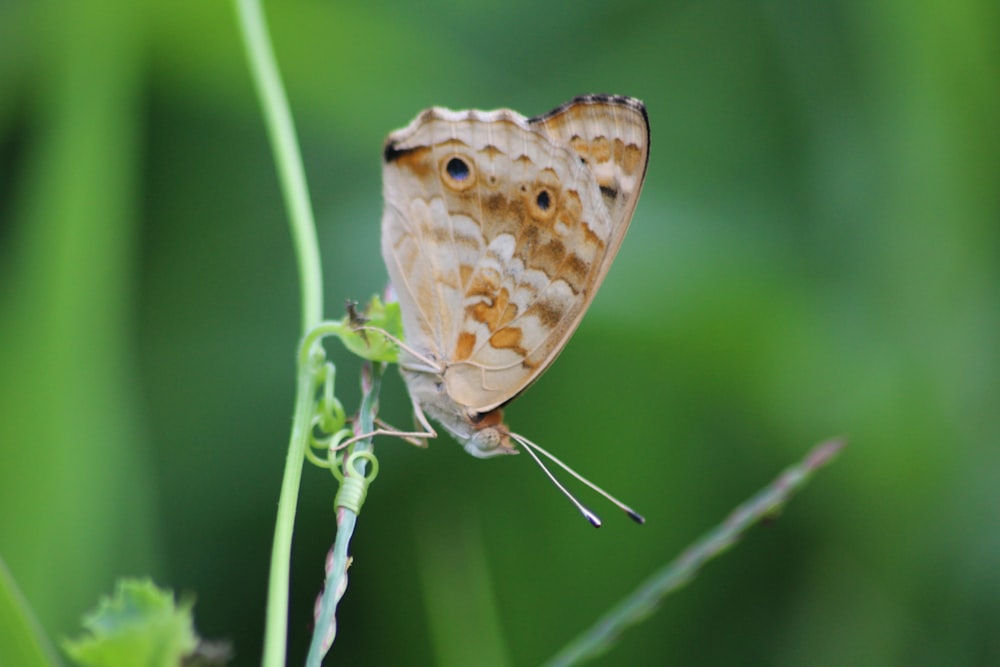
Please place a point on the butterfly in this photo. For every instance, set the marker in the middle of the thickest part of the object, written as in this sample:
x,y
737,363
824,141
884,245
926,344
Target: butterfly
x,y
497,232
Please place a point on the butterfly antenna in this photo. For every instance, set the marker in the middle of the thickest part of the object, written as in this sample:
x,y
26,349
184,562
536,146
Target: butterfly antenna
x,y
594,520
529,446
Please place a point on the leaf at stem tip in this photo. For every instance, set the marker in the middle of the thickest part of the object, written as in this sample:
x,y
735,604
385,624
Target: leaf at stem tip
x,y
369,344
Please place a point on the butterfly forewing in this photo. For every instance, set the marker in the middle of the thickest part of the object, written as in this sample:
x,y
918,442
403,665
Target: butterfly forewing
x,y
611,134
498,231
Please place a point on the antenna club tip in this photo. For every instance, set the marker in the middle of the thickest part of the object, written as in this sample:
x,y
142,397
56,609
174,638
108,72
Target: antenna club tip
x,y
594,520
635,516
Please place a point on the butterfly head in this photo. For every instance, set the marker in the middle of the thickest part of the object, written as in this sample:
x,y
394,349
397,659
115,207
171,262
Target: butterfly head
x,y
490,436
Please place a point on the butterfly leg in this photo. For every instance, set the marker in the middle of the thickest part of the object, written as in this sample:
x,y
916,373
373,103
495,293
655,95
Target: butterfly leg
x,y
412,439
418,438
418,414
431,365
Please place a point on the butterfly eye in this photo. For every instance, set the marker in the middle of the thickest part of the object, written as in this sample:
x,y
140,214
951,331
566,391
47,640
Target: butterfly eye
x,y
457,173
542,204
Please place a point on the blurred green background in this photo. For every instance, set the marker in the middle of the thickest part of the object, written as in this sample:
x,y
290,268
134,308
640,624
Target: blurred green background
x,y
816,252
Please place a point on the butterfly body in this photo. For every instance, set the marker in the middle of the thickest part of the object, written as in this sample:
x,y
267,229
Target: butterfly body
x,y
481,434
497,231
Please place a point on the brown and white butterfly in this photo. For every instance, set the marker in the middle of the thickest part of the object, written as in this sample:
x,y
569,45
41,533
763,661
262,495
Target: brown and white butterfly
x,y
497,231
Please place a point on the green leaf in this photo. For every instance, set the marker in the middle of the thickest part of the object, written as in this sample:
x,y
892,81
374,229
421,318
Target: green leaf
x,y
141,626
369,344
21,639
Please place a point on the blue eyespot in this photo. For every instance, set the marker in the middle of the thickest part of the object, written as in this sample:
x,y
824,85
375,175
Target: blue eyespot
x,y
457,169
543,201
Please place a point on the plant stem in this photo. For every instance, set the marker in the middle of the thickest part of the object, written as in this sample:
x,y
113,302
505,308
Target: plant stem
x,y
281,131
599,637
335,586
285,145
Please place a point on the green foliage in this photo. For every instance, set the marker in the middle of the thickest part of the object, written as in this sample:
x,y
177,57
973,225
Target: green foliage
x,y
368,343
22,642
140,626
814,252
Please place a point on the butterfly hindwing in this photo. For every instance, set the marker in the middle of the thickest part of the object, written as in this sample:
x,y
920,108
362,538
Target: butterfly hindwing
x,y
498,231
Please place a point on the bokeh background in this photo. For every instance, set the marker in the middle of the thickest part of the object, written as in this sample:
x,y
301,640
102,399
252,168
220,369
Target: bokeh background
x,y
816,252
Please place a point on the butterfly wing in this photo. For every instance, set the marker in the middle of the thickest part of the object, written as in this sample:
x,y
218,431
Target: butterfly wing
x,y
499,229
610,133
